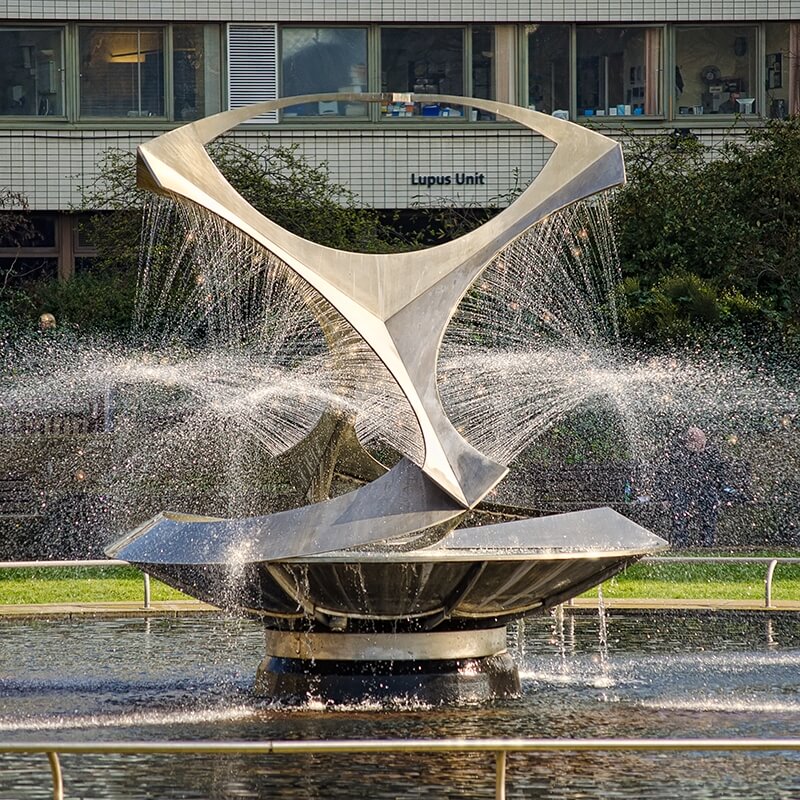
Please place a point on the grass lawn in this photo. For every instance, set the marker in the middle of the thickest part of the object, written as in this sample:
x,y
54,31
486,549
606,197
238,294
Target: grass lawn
x,y
670,580
79,585
724,581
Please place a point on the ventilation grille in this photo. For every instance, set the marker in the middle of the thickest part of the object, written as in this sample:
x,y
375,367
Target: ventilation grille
x,y
253,67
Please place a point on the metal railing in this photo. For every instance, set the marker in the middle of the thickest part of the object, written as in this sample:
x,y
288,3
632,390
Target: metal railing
x,y
89,562
499,747
771,564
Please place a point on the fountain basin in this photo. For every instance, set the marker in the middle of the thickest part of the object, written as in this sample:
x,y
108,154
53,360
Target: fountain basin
x,y
426,621
471,576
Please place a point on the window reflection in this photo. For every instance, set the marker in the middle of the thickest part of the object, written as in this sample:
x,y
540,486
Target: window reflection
x,y
317,60
715,70
122,72
619,71
426,61
195,71
548,68
31,66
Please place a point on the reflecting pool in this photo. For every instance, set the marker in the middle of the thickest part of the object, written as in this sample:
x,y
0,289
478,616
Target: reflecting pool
x,y
583,675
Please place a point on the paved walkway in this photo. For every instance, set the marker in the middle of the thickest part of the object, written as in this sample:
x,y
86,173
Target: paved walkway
x,y
158,608
174,608
646,604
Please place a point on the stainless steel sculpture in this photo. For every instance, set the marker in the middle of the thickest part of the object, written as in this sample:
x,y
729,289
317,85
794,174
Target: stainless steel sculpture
x,y
400,305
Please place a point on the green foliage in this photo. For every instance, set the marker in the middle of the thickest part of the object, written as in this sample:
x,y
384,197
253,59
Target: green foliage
x,y
16,230
682,307
95,299
302,198
711,243
16,308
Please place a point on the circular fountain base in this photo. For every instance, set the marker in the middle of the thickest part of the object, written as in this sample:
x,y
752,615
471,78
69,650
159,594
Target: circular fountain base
x,y
431,667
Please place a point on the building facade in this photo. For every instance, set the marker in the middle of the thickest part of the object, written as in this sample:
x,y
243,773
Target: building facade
x,y
80,76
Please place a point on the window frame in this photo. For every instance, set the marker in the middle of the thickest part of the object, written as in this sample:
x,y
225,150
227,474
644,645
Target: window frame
x,y
69,34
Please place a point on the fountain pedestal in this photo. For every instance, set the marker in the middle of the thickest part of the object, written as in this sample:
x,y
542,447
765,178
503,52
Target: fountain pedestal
x,y
431,667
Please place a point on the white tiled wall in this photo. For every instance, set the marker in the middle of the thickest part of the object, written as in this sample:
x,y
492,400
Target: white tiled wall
x,y
50,167
402,10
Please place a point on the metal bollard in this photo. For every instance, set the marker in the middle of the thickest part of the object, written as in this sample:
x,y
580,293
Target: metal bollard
x,y
768,583
500,775
58,780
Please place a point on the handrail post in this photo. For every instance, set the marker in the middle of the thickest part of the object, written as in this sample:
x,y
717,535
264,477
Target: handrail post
x,y
500,775
768,583
146,590
58,781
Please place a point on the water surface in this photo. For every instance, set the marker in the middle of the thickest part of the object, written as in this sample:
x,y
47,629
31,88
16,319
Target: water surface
x,y
659,675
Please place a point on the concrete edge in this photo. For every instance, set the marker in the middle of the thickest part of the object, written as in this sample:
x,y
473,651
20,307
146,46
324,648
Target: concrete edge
x,y
175,608
158,608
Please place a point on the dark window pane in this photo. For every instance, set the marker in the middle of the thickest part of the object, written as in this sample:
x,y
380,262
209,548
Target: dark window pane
x,y
31,69
493,65
195,71
426,61
36,229
548,68
777,70
20,272
619,71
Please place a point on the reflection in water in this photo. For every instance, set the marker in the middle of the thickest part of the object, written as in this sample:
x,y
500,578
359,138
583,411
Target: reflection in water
x,y
583,675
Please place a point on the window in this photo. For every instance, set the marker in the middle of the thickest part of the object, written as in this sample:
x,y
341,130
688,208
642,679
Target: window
x,y
426,60
30,252
121,72
318,60
493,65
777,66
31,70
195,71
548,67
619,71
715,70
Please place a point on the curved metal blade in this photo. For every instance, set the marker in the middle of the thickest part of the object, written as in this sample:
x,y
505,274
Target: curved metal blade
x,y
399,303
401,502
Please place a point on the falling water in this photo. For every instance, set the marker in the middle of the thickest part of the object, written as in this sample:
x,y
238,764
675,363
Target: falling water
x,y
538,337
604,677
230,369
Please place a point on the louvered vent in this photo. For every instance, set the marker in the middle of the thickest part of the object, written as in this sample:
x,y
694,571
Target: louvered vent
x,y
253,67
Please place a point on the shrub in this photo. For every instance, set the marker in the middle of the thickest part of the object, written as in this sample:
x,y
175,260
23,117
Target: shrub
x,y
712,241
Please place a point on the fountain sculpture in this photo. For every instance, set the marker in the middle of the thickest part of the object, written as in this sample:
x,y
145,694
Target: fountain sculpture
x,y
379,589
